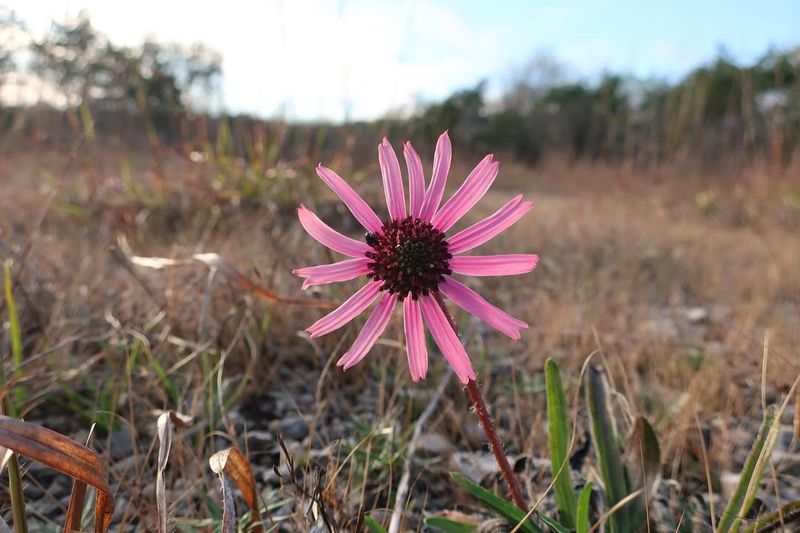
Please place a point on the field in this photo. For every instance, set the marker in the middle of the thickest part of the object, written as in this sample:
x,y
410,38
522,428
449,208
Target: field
x,y
681,282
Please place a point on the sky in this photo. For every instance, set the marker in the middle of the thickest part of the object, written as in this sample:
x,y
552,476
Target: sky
x,y
359,59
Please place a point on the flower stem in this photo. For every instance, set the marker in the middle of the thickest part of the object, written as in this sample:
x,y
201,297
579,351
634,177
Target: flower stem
x,y
488,426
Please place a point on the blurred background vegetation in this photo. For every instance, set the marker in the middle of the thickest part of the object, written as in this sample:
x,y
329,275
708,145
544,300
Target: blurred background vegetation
x,y
722,112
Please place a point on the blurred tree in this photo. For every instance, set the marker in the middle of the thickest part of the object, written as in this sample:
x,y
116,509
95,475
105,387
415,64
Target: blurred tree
x,y
461,113
512,132
9,25
89,68
74,57
531,81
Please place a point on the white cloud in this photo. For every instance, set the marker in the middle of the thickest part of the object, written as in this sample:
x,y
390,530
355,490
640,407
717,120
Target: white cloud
x,y
307,58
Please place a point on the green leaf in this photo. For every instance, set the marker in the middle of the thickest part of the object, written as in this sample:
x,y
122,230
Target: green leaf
x,y
753,468
554,526
582,518
507,510
558,426
609,457
373,525
445,525
644,445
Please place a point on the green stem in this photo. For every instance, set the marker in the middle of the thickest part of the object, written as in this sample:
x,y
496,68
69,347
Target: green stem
x,y
11,408
788,514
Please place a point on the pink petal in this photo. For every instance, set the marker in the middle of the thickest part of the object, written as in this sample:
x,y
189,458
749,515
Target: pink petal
x,y
346,312
472,190
471,302
446,339
329,237
415,339
493,265
351,199
487,228
416,179
372,329
392,181
341,271
441,166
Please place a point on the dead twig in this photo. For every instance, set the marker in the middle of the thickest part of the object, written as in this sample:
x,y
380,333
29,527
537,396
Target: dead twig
x,y
403,486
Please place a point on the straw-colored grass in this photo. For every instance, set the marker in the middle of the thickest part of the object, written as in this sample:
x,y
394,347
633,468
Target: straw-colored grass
x,y
673,279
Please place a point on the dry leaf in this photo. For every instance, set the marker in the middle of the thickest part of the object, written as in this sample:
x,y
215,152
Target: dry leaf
x,y
179,420
60,453
233,463
155,262
72,522
214,261
164,425
228,510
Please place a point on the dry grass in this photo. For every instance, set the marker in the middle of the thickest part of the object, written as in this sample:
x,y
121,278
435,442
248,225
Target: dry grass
x,y
672,279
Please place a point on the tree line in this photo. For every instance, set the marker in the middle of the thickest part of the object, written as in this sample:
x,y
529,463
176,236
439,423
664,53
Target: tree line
x,y
77,67
720,111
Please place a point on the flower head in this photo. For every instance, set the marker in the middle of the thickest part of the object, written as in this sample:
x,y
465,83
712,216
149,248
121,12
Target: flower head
x,y
410,259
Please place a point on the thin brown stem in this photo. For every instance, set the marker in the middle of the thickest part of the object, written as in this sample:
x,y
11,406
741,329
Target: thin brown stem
x,y
488,426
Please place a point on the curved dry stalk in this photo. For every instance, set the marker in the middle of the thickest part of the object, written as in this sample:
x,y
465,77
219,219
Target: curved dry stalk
x,y
63,454
403,485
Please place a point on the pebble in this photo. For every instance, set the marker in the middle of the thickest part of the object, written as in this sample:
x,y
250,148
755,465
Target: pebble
x,y
697,315
475,465
786,463
120,445
294,428
434,444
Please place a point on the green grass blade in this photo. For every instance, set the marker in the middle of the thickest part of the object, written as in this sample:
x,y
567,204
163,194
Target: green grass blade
x,y
554,526
558,426
373,525
445,525
10,408
507,510
608,452
582,517
644,444
16,405
752,470
17,497
786,515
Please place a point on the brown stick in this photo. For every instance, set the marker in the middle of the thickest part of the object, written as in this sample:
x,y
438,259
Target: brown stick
x,y
488,426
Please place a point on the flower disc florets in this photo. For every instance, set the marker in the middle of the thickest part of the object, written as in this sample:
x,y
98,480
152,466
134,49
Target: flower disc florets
x,y
410,256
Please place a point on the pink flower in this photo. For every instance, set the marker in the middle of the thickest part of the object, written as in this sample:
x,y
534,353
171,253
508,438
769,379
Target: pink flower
x,y
410,260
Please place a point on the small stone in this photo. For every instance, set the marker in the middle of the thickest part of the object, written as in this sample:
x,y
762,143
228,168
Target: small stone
x,y
787,416
785,440
787,463
697,315
294,428
663,327
120,508
475,465
120,445
434,444
260,439
728,482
